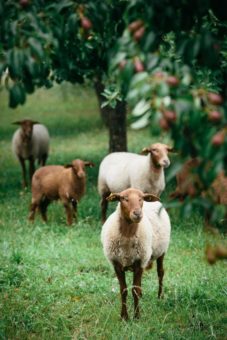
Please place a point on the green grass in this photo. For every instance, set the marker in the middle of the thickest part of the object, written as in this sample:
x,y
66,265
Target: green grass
x,y
55,282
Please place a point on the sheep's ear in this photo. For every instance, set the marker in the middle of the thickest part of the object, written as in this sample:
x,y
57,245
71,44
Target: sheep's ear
x,y
170,148
34,122
68,166
150,198
114,197
21,122
145,151
90,164
18,122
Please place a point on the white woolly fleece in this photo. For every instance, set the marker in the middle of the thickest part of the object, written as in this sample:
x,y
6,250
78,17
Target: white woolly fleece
x,y
150,241
39,143
121,170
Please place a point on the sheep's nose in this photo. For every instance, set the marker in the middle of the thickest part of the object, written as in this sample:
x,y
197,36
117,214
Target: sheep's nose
x,y
137,214
166,163
81,174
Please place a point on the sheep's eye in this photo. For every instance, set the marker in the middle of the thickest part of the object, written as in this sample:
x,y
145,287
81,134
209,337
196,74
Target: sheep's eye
x,y
125,199
154,150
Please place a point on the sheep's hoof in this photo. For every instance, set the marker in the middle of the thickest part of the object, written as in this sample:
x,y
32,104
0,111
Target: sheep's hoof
x,y
137,316
124,317
31,217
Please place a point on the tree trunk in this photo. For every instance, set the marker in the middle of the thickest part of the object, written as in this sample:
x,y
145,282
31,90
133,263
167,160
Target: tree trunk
x,y
117,128
104,111
114,119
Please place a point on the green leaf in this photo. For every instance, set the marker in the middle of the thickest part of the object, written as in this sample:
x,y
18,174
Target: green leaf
x,y
150,38
17,95
141,122
36,47
141,107
139,78
16,58
173,170
72,22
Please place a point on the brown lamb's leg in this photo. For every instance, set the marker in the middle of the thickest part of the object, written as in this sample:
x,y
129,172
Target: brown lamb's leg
x,y
69,212
74,206
43,208
160,271
136,289
104,205
33,207
22,162
31,167
123,289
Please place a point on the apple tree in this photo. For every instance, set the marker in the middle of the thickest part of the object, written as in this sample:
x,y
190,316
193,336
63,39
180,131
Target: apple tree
x,y
171,64
42,42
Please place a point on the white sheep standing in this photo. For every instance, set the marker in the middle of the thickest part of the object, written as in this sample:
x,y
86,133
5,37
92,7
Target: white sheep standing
x,y
121,170
134,235
30,142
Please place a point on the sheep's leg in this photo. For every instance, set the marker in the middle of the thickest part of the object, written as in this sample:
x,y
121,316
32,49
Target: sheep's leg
x,y
69,213
74,205
22,162
104,205
43,208
123,289
43,159
33,207
31,167
160,271
136,289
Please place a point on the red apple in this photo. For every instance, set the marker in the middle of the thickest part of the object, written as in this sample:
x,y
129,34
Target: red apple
x,y
214,116
164,124
24,3
170,116
172,81
219,138
139,33
86,23
159,75
122,64
214,98
135,25
138,65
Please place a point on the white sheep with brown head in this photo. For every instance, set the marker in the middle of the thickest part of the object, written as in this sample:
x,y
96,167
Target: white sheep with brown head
x,y
135,235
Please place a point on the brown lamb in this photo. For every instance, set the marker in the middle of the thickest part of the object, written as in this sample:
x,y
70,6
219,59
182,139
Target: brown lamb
x,y
54,182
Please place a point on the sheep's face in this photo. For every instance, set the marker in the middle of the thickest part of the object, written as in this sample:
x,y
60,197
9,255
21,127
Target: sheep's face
x,y
78,167
131,206
27,128
159,154
131,201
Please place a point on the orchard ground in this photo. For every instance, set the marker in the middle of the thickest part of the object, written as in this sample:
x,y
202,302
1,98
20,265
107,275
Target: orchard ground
x,y
54,280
